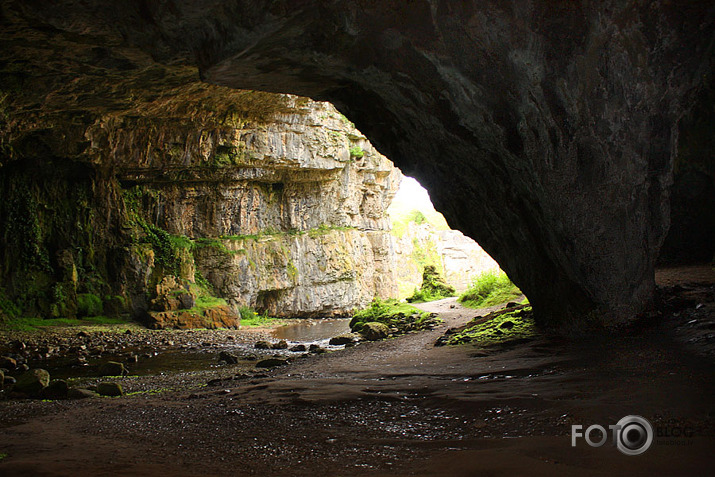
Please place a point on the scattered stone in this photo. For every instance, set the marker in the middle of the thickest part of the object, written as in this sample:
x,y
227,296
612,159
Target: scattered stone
x,y
282,344
298,348
230,337
262,345
132,358
82,334
18,346
110,389
227,357
79,393
32,382
453,306
22,368
374,331
57,389
9,380
112,368
7,362
128,332
271,363
342,340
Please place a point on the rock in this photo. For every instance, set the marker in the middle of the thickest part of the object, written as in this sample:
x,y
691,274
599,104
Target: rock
x,y
227,357
132,359
110,389
22,368
342,340
507,325
2,379
220,316
298,348
79,393
32,382
374,331
57,389
9,380
263,345
511,304
112,368
282,344
82,334
271,362
8,362
187,300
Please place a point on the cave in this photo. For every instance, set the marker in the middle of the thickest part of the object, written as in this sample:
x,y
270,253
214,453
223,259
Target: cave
x,y
174,162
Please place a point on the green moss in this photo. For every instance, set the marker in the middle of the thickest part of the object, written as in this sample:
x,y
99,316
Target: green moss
x,y
89,304
357,152
433,287
394,314
496,328
488,289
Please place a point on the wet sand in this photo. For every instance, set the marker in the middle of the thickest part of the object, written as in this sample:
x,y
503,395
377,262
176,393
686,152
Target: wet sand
x,y
400,407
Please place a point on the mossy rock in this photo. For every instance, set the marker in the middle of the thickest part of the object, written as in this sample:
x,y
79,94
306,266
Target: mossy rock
x,y
271,363
110,389
374,331
112,368
32,382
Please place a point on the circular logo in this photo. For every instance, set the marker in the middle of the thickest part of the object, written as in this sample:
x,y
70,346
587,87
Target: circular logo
x,y
634,436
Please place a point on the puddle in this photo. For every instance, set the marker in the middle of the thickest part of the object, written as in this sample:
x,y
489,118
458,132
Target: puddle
x,y
313,330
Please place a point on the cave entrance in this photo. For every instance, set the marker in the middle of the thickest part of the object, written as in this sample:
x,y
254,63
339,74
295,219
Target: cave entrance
x,y
423,238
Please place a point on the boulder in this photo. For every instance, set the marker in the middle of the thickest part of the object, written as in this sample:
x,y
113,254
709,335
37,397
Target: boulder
x,y
282,344
271,362
262,345
110,389
112,368
298,348
57,389
374,331
227,357
79,393
343,339
32,382
8,362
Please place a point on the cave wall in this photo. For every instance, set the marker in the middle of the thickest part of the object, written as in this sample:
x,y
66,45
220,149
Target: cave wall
x,y
546,130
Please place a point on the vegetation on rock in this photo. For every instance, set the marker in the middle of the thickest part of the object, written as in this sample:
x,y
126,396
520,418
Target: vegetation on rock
x,y
488,289
433,287
399,318
500,327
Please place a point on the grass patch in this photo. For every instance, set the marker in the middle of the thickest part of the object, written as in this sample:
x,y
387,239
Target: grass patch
x,y
488,289
252,319
496,328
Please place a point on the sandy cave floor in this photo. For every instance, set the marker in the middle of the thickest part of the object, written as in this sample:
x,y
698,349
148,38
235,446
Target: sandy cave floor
x,y
405,407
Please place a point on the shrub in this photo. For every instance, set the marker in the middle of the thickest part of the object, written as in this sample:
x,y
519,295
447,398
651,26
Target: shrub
x,y
489,288
357,152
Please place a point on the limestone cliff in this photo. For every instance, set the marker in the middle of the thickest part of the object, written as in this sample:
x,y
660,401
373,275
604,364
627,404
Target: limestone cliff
x,y
292,221
267,201
458,258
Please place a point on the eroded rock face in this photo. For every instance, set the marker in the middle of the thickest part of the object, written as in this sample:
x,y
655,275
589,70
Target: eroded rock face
x,y
545,130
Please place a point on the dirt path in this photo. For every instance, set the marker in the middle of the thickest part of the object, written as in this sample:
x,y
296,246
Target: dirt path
x,y
397,407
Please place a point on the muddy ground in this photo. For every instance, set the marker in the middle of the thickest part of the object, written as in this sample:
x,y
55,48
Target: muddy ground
x,y
404,407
